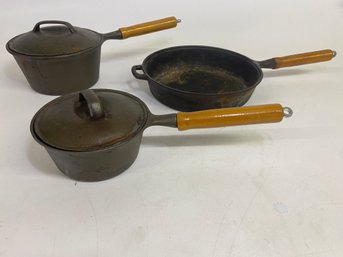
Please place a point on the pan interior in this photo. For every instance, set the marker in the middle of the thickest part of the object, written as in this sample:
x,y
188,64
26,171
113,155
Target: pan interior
x,y
203,70
200,78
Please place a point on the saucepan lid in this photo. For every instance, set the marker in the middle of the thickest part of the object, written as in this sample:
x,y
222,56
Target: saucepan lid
x,y
90,120
63,39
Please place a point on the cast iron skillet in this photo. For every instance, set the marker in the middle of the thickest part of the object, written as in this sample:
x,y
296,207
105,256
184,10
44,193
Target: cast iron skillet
x,y
62,59
189,78
95,134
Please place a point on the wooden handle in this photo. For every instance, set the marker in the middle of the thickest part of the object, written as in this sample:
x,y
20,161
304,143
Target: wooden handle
x,y
232,116
149,27
304,58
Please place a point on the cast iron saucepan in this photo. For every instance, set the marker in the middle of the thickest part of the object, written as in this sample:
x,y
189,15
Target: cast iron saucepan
x,y
95,134
62,59
189,78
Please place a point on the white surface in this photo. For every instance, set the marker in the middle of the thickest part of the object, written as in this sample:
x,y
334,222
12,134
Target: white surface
x,y
267,190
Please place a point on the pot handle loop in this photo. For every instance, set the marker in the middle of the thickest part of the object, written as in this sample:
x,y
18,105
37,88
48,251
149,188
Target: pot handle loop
x,y
91,100
36,28
137,75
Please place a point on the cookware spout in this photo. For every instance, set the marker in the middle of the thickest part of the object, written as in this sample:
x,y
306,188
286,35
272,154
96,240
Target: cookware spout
x,y
167,120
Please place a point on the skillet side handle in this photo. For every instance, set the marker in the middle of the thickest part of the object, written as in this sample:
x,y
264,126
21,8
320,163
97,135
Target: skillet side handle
x,y
298,59
149,27
269,113
138,75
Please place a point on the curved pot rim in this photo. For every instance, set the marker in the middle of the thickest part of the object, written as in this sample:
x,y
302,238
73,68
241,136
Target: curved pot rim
x,y
138,132
42,57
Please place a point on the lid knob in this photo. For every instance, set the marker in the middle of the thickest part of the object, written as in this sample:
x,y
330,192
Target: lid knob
x,y
91,104
36,28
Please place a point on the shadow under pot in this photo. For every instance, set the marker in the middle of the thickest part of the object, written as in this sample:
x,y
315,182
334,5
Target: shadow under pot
x,y
95,135
190,78
62,59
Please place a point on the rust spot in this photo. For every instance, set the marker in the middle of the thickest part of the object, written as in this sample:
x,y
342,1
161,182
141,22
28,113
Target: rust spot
x,y
200,78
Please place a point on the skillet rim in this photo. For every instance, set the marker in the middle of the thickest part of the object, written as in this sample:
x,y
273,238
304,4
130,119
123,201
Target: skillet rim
x,y
209,48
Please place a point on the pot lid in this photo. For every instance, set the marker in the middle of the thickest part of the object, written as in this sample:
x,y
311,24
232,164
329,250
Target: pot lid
x,y
54,40
90,120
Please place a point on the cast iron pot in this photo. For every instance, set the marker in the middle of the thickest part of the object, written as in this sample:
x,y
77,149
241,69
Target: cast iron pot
x,y
95,134
62,59
189,78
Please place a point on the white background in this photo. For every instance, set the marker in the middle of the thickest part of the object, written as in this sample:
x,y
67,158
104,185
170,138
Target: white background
x,y
262,190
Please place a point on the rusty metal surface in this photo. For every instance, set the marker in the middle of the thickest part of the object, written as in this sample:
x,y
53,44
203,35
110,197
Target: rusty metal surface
x,y
200,79
95,134
189,78
61,75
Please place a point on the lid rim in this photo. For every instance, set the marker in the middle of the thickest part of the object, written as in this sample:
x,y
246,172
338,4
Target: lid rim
x,y
117,144
92,147
12,50
36,56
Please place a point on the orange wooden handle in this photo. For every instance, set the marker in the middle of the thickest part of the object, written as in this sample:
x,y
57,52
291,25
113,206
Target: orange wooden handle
x,y
148,27
268,113
304,58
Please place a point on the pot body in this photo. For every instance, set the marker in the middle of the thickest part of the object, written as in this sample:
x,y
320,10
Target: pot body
x,y
216,77
57,75
92,166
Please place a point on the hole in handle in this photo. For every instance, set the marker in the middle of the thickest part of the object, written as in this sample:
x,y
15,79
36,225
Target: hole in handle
x,y
287,112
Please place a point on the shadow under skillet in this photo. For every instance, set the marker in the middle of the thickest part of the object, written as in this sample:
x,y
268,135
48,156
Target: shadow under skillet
x,y
283,73
202,140
120,54
138,85
41,160
140,49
